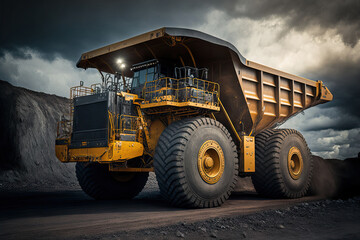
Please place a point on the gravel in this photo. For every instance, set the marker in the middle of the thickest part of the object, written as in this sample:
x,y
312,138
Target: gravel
x,y
325,219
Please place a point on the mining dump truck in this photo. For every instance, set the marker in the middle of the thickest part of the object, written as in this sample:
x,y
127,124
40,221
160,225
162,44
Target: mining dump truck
x,y
189,107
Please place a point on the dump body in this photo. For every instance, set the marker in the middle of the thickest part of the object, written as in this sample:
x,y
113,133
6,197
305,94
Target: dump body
x,y
254,96
273,96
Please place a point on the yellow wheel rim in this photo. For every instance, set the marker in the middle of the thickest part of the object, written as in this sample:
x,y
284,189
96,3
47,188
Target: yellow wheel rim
x,y
295,163
211,162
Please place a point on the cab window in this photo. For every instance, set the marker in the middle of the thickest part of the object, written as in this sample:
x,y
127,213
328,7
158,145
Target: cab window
x,y
150,74
142,76
135,82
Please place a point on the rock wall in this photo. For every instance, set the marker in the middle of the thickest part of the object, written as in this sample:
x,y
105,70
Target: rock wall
x,y
28,131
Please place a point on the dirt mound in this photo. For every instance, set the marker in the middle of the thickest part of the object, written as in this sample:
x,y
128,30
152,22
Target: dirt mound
x,y
332,178
336,178
28,130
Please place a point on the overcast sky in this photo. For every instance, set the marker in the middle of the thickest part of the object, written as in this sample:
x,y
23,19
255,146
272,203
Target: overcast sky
x,y
41,41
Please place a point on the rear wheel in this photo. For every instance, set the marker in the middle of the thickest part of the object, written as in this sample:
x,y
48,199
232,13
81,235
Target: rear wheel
x,y
196,163
283,164
99,183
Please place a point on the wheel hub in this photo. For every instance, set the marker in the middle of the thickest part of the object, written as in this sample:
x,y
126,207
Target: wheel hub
x,y
292,164
295,163
211,162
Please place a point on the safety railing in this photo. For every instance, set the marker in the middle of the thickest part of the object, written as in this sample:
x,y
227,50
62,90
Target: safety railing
x,y
77,91
64,127
182,90
123,127
96,88
80,91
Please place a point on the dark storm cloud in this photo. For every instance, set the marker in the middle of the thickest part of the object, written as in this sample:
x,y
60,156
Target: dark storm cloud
x,y
342,77
342,16
71,27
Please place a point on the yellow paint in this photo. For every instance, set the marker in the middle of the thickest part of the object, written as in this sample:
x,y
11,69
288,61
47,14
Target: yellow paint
x,y
155,130
143,124
180,104
247,155
322,92
117,151
165,97
88,154
124,150
211,162
128,96
229,120
190,53
295,163
62,152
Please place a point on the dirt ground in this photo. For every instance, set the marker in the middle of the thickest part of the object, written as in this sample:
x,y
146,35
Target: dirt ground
x,y
59,214
325,219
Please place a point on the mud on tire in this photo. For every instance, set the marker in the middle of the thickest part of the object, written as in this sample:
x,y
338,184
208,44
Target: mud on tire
x,y
176,163
99,183
273,176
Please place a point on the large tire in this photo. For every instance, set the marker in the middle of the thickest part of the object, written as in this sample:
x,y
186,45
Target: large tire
x,y
99,183
177,160
283,164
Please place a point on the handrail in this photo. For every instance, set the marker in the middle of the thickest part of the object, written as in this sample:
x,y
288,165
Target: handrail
x,y
229,120
79,91
122,124
182,90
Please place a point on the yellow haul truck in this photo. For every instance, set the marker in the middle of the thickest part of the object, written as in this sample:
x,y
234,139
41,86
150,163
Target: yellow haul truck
x,y
190,107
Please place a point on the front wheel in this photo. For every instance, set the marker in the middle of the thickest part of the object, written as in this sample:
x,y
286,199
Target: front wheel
x,y
99,183
196,163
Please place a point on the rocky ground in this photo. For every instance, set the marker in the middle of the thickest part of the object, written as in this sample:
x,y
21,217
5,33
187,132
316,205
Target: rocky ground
x,y
325,219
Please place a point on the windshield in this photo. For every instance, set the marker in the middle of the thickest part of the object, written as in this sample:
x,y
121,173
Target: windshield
x,y
142,76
